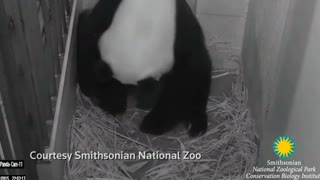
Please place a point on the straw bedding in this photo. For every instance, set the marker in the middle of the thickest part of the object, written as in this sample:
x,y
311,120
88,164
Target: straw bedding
x,y
228,150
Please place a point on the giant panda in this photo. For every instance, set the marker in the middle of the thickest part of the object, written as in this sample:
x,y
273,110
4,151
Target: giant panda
x,y
146,43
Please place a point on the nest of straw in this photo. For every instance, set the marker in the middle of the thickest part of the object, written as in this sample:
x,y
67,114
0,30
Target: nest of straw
x,y
228,149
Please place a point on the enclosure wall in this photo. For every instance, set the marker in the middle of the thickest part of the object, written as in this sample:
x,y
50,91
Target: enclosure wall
x,y
223,22
281,53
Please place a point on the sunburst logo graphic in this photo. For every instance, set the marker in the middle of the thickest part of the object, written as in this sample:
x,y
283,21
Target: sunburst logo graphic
x,y
284,147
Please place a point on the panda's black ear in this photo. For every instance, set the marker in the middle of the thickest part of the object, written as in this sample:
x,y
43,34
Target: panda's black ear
x,y
102,72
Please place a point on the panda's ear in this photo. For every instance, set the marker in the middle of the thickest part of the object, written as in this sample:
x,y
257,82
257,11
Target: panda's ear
x,y
102,72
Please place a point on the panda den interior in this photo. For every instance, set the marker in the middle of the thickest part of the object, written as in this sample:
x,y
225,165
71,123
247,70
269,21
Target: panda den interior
x,y
160,96
163,86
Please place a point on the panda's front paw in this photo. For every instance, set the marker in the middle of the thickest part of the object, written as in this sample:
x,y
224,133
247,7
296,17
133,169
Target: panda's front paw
x,y
157,123
115,108
199,125
113,97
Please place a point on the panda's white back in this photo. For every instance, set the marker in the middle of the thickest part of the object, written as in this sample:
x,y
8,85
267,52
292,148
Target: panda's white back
x,y
140,41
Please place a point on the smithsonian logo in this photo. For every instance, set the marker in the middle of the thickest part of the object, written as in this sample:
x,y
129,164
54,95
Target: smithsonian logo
x,y
281,167
284,147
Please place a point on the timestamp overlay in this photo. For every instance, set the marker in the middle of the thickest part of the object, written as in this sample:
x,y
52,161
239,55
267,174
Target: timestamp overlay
x,y
12,164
